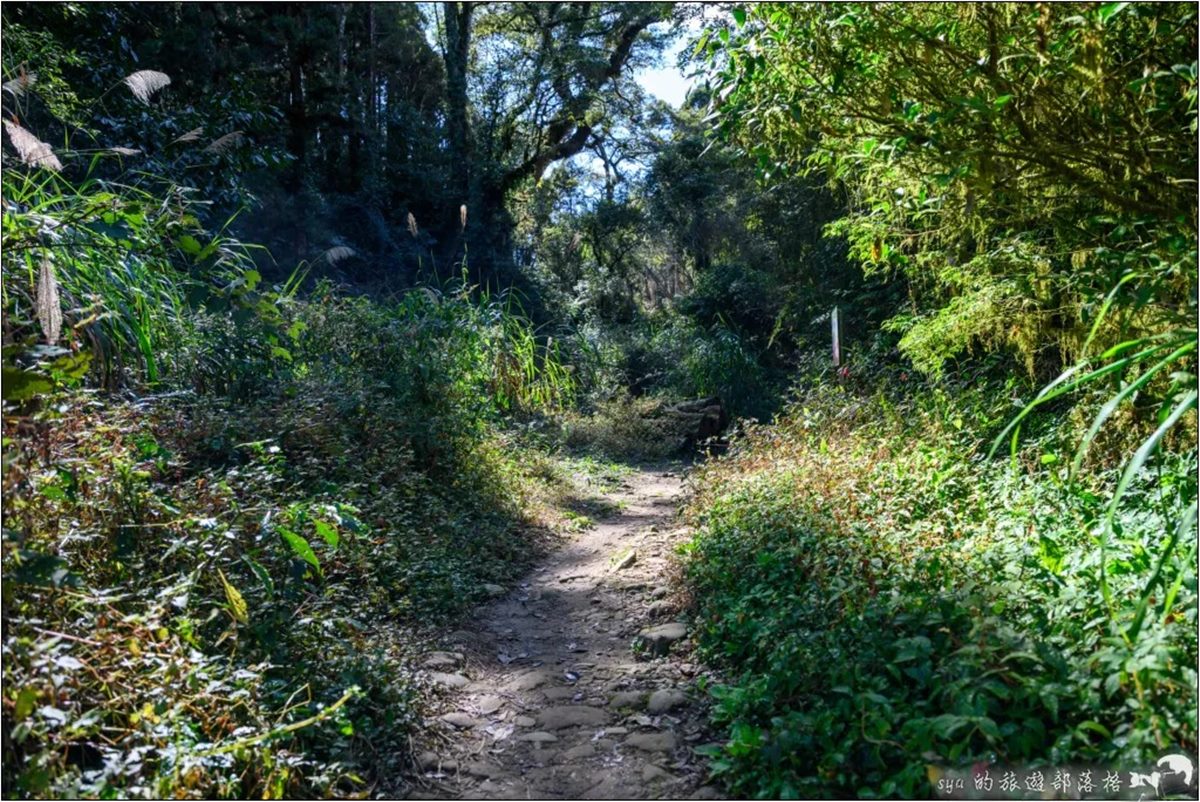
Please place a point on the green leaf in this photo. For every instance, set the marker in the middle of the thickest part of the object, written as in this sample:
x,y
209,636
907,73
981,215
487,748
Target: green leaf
x,y
237,603
72,366
1110,10
263,576
328,532
300,547
26,699
22,385
739,16
189,245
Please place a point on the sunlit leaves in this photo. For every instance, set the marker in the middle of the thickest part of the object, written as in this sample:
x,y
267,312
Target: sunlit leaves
x,y
994,111
300,547
235,600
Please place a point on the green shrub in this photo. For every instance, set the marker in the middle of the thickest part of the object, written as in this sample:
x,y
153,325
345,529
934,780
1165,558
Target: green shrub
x,y
697,362
883,597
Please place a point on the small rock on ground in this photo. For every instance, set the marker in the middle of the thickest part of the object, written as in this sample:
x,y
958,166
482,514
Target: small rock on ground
x,y
461,720
442,660
489,704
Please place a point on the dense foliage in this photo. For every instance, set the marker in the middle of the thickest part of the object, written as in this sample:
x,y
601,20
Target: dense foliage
x,y
883,596
308,310
1015,161
213,589
885,588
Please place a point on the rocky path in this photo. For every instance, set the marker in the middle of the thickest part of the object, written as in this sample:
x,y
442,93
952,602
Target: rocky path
x,y
575,683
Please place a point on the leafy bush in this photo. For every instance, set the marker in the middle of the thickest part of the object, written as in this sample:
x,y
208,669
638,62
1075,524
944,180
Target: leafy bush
x,y
213,591
698,362
882,596
270,556
966,139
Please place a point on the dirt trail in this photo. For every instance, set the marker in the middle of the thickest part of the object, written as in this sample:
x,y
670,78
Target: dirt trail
x,y
574,684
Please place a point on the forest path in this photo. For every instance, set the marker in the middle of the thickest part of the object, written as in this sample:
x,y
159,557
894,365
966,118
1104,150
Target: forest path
x,y
571,685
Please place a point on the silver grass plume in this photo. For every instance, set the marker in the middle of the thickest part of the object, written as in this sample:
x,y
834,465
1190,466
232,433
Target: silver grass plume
x,y
144,83
31,149
49,307
123,151
337,253
224,143
462,216
18,85
190,136
412,225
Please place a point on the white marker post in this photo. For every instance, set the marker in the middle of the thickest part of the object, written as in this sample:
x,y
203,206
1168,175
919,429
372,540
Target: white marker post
x,y
837,338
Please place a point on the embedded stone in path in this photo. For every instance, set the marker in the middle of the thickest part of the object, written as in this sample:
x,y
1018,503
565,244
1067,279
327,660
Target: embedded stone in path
x,y
538,737
664,700
652,741
489,704
658,640
477,768
578,752
557,718
461,720
449,680
527,682
627,561
634,699
660,608
442,660
652,772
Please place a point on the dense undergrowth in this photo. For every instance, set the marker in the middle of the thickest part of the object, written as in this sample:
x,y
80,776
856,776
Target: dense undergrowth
x,y
238,492
218,596
884,596
229,505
